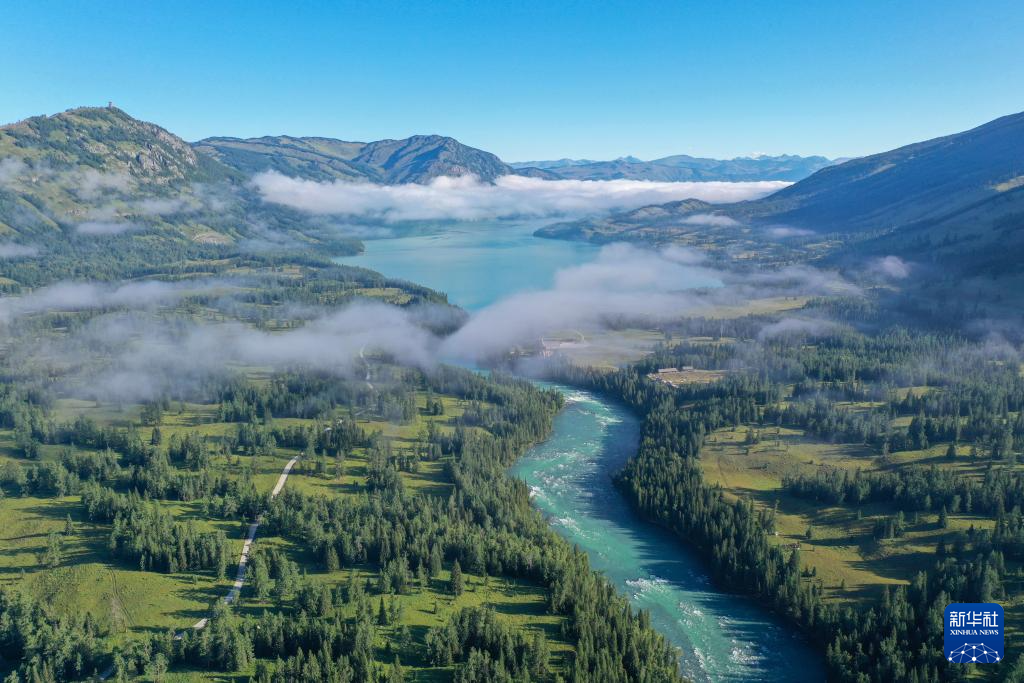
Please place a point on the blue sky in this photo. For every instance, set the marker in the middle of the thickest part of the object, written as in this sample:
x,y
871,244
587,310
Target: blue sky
x,y
529,79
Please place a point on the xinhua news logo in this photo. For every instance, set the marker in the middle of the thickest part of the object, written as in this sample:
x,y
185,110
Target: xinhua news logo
x,y
974,633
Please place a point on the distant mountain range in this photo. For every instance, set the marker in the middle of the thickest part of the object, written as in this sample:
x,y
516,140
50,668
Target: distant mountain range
x,y
555,164
93,172
96,171
418,159
956,200
681,167
421,158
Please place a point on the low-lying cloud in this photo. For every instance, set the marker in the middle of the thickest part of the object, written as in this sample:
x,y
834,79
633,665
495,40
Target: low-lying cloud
x,y
11,169
164,206
86,183
627,285
784,231
155,358
144,355
798,280
91,184
467,198
11,250
115,205
710,219
801,327
114,219
892,267
80,296
105,227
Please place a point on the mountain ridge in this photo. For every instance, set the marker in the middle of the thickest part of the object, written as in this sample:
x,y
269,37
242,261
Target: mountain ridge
x,y
94,176
685,168
416,159
955,199
946,172
96,164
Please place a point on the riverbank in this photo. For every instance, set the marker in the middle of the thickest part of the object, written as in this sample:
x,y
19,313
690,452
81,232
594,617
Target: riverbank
x,y
720,636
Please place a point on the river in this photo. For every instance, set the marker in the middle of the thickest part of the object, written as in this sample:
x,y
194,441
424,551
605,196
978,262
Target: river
x,y
720,636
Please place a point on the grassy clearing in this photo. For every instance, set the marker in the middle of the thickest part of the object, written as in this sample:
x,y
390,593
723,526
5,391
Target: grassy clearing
x,y
123,600
841,548
766,305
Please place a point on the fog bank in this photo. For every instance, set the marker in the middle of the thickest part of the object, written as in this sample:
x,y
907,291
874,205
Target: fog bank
x,y
466,198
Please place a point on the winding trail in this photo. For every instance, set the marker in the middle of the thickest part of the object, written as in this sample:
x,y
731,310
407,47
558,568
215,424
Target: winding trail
x,y
362,357
243,560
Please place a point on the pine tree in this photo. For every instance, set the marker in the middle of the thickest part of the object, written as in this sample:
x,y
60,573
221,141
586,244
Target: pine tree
x,y
157,668
435,561
52,557
456,584
403,638
396,674
331,559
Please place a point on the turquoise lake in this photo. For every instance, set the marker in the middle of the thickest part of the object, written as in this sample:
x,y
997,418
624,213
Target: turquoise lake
x,y
475,264
720,636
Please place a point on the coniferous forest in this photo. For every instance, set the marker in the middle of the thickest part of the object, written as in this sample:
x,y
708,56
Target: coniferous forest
x,y
955,456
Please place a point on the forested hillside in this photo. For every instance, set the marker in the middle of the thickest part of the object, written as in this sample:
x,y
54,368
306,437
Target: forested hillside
x,y
94,194
856,483
96,169
956,202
